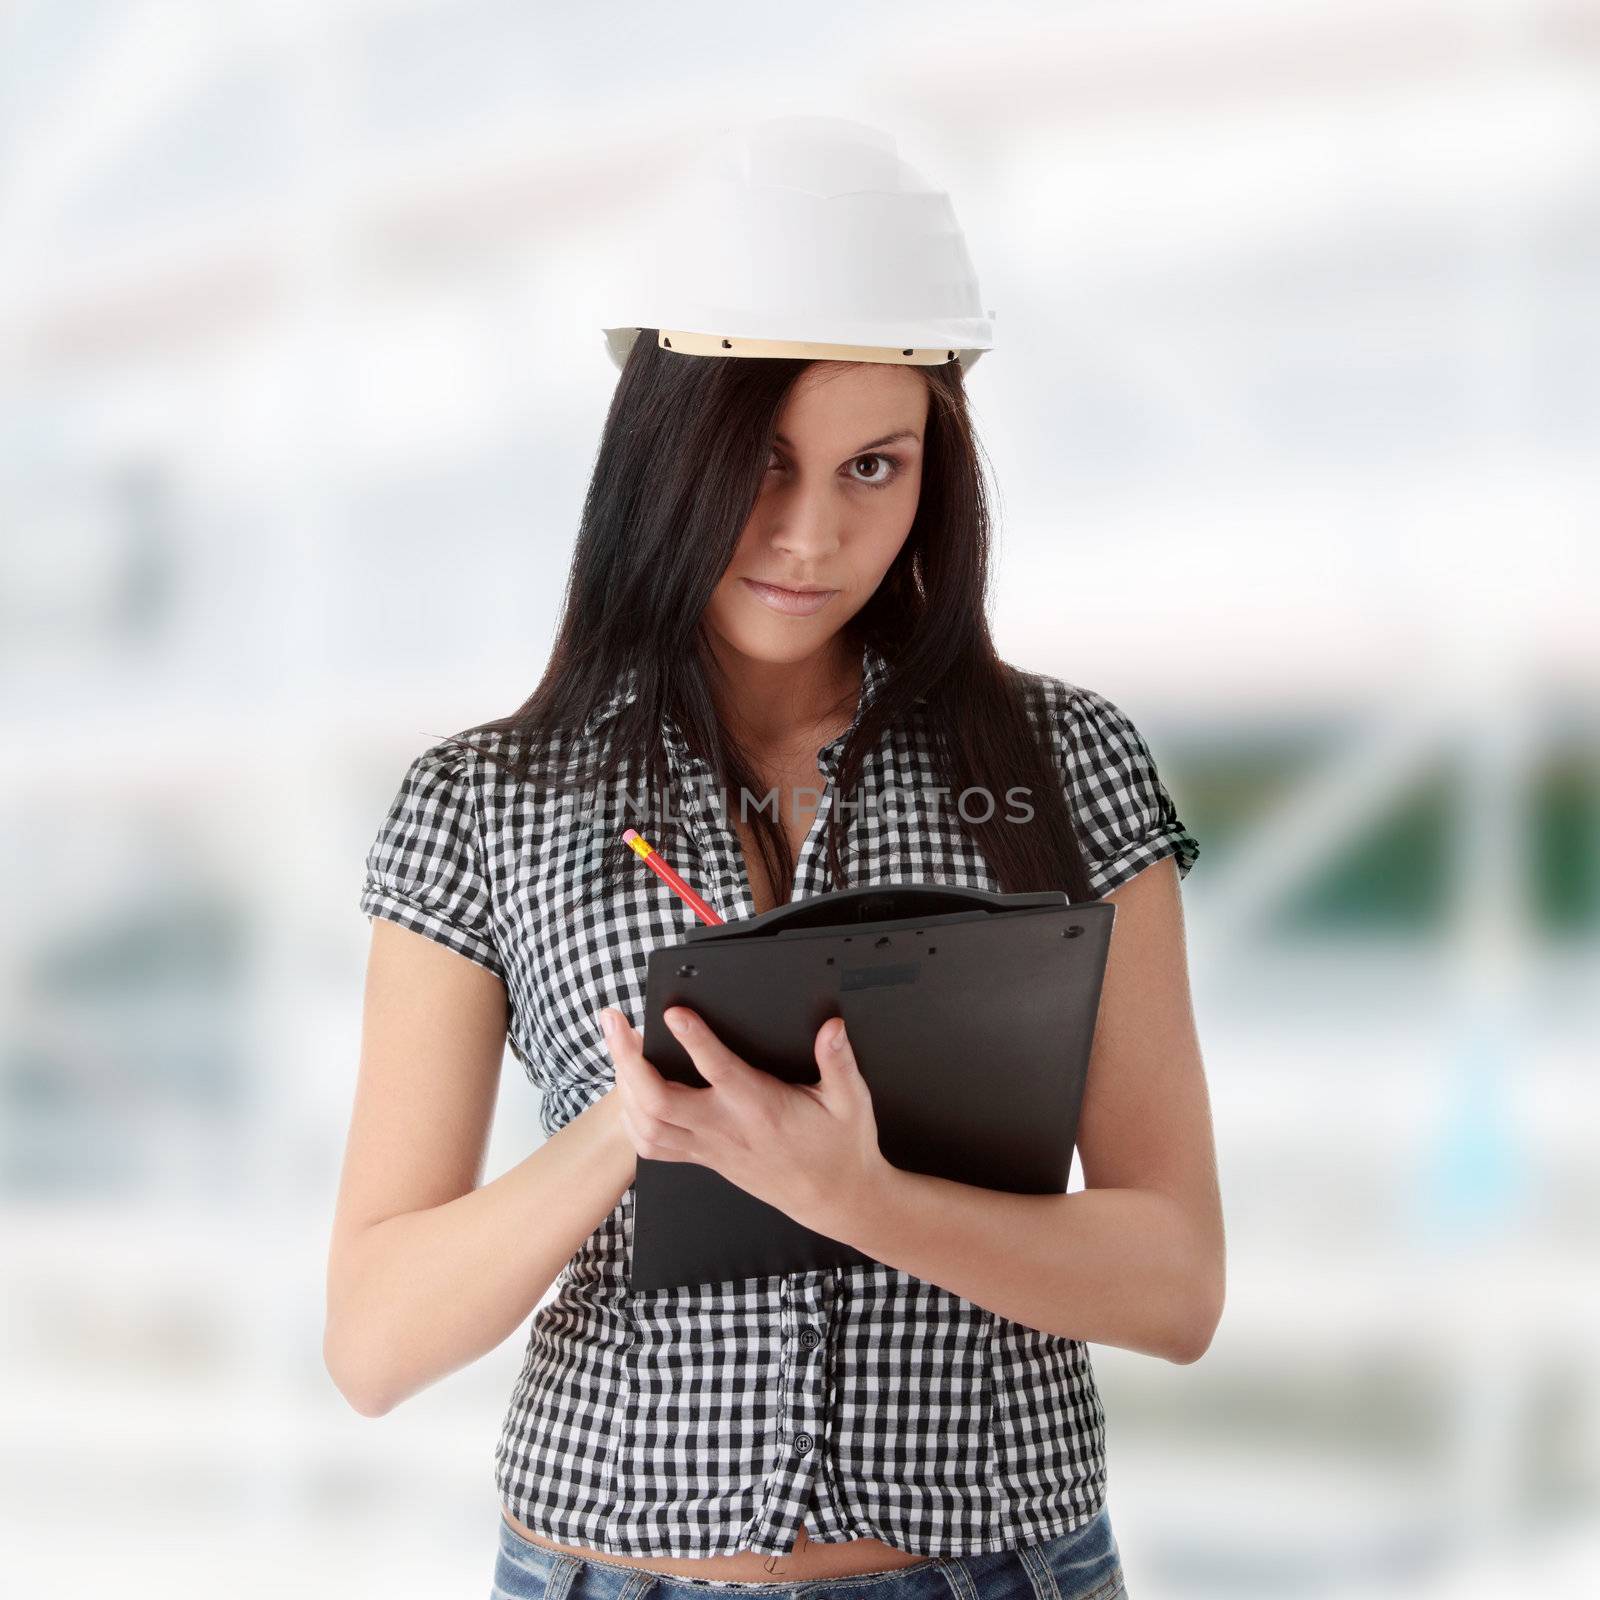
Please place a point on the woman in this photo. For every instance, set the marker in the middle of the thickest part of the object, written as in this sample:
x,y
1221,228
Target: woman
x,y
777,589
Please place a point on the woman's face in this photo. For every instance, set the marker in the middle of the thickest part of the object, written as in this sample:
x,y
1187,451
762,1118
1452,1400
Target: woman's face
x,y
834,509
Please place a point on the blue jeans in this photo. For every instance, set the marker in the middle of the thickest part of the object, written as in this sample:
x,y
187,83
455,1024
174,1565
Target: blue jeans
x,y
1083,1564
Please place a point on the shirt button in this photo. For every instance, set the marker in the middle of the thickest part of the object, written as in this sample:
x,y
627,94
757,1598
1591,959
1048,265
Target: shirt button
x,y
810,1338
802,1443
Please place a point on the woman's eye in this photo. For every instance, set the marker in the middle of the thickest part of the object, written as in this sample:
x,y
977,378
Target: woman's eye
x,y
887,473
880,478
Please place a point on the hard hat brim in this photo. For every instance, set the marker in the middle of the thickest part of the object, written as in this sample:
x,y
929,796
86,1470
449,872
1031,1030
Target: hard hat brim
x,y
619,341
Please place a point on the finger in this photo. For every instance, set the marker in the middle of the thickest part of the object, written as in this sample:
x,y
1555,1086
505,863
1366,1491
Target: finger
x,y
836,1057
655,1140
714,1061
620,1035
668,1103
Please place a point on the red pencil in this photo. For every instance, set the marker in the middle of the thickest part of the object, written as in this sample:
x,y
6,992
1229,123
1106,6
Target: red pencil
x,y
652,859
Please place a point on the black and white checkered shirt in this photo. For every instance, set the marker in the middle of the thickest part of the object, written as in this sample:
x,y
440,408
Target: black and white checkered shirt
x,y
859,1401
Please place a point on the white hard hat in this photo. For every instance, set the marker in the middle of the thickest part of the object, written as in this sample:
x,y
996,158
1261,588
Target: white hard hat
x,y
809,237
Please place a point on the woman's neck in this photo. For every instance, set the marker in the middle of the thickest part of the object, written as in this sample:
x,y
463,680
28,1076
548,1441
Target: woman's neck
x,y
768,703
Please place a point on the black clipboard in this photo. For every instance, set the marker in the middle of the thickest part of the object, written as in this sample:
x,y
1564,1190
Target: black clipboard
x,y
972,1014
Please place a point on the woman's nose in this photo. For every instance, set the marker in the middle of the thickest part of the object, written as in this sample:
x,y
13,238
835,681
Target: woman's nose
x,y
806,526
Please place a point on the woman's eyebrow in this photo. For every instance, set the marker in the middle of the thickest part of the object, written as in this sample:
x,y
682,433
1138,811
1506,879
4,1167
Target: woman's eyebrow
x,y
861,450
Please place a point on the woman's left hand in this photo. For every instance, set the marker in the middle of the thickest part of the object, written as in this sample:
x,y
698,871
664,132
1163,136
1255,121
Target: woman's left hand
x,y
811,1150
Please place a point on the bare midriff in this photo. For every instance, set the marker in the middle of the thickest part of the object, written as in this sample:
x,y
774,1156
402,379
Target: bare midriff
x,y
805,1561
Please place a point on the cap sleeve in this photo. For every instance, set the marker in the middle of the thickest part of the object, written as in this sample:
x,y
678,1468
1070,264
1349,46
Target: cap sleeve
x,y
1125,818
425,868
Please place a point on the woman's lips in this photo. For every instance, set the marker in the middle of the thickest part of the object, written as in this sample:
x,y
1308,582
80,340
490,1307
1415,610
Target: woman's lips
x,y
789,601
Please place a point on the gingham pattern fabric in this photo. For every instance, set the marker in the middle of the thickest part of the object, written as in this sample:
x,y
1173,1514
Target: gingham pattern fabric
x,y
860,1401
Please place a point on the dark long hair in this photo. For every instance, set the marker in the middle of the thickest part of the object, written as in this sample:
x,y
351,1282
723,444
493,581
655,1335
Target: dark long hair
x,y
679,467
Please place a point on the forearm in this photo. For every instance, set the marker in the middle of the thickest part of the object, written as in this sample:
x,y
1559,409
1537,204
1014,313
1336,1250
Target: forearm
x,y
422,1294
1113,1266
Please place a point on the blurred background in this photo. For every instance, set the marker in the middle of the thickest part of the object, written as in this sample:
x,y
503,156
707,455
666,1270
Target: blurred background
x,y
1294,413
